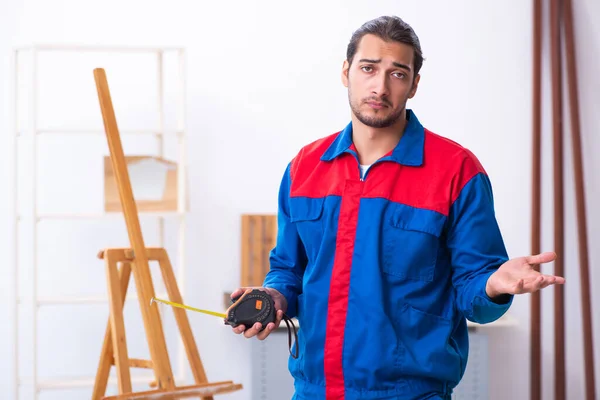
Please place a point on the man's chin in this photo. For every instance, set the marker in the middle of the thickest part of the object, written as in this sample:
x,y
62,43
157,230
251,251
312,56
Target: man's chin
x,y
378,121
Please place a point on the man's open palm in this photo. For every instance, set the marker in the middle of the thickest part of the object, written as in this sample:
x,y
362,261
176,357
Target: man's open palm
x,y
517,276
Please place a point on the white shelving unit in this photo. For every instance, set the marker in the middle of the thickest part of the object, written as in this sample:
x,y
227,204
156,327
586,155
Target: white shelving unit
x,y
31,218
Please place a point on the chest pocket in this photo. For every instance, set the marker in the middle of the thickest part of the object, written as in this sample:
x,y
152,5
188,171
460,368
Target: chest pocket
x,y
411,240
307,215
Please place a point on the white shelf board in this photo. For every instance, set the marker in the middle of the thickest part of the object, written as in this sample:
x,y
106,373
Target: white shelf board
x,y
91,48
63,300
88,131
102,215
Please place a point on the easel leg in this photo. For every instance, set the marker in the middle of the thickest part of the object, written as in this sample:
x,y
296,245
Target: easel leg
x,y
182,320
141,271
114,346
107,357
116,299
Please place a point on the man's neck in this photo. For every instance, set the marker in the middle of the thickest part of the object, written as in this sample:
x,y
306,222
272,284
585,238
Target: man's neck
x,y
373,143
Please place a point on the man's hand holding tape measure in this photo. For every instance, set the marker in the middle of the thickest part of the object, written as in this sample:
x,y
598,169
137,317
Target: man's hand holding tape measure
x,y
258,330
258,312
253,312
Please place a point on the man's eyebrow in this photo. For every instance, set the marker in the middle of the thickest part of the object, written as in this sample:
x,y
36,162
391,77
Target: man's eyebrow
x,y
397,65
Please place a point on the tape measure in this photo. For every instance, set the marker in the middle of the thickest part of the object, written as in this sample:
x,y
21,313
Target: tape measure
x,y
252,306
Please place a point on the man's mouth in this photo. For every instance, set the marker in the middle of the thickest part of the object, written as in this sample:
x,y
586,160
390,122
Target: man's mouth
x,y
376,105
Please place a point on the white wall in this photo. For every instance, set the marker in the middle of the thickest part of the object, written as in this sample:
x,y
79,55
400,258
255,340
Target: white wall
x,y
263,81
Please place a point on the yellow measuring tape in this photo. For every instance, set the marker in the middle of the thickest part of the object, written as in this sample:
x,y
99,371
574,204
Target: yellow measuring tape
x,y
216,314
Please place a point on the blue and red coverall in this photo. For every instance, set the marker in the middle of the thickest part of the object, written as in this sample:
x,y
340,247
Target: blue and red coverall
x,y
383,271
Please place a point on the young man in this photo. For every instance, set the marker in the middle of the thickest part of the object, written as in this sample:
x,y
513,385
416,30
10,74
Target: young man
x,y
388,242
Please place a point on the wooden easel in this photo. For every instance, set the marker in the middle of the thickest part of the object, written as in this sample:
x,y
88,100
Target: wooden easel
x,y
135,259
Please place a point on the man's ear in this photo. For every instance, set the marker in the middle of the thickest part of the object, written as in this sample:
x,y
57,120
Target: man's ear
x,y
413,91
345,70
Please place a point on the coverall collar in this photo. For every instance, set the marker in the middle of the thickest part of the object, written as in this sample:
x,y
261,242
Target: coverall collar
x,y
408,151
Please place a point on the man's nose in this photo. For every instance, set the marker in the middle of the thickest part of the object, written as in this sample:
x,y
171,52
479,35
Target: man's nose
x,y
381,86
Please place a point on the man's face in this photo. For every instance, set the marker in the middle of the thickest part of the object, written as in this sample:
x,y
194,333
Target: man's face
x,y
380,81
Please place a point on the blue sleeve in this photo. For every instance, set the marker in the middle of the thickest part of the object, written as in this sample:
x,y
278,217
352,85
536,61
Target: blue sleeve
x,y
476,250
287,259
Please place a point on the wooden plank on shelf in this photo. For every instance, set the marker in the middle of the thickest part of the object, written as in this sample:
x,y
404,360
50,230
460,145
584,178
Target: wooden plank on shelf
x,y
159,171
259,234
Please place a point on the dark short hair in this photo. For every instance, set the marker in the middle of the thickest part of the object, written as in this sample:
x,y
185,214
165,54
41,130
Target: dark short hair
x,y
388,28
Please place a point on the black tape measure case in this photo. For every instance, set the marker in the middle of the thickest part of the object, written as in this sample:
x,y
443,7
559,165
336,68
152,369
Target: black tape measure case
x,y
257,306
250,308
